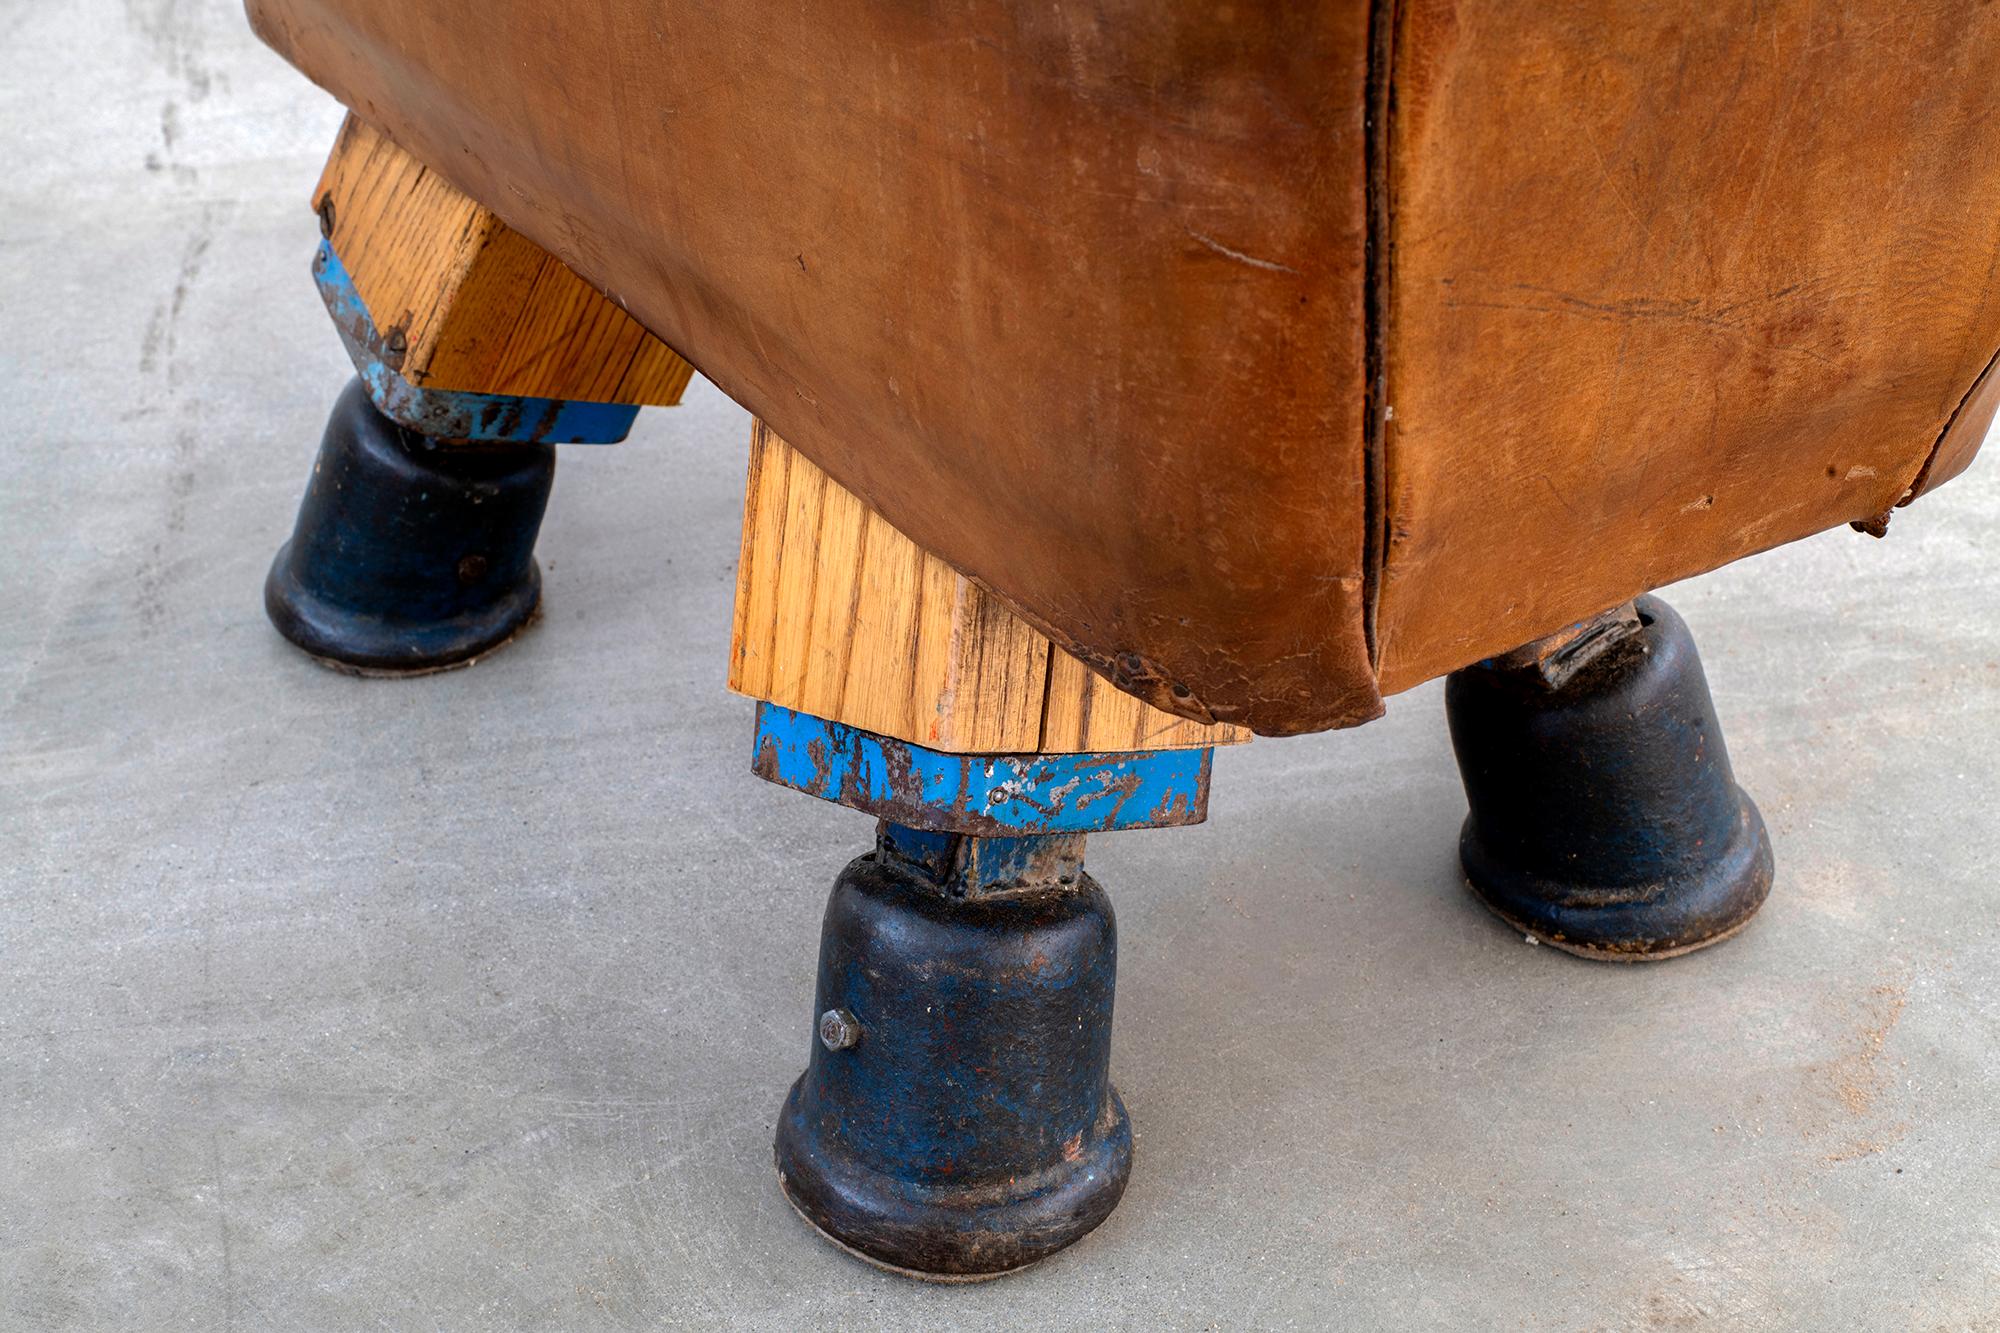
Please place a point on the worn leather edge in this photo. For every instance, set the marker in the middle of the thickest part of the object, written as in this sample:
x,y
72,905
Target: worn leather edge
x,y
1964,431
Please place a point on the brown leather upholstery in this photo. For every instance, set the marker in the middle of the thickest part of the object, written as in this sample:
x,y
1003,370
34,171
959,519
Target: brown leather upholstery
x,y
1673,282
1135,312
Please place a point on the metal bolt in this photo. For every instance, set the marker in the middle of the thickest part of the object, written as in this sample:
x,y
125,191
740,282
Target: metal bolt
x,y
838,1029
395,347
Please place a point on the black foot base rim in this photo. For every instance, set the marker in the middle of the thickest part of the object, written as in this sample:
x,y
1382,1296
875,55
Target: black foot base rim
x,y
355,643
914,1274
1626,924
953,1234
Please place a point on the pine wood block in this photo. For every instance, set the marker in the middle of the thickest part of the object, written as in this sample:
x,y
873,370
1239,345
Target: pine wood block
x,y
840,615
481,308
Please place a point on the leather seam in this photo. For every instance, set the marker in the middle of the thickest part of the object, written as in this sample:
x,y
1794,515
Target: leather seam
x,y
1384,18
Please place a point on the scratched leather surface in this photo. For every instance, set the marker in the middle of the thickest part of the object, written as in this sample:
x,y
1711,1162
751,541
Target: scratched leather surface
x,y
1674,282
1076,295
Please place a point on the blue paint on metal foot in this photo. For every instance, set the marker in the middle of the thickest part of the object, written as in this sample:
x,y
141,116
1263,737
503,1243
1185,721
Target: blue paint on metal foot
x,y
451,414
408,555
1604,816
956,1119
993,796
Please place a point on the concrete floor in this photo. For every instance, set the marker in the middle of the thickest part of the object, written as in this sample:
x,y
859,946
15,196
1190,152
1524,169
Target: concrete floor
x,y
468,1002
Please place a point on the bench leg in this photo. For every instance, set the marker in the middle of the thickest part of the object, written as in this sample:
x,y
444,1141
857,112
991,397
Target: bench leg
x,y
956,1119
1604,816
476,351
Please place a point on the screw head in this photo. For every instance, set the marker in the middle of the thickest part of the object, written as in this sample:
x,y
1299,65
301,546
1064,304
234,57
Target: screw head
x,y
838,1029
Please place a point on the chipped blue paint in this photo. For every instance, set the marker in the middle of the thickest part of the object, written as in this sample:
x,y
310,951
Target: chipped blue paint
x,y
987,795
451,414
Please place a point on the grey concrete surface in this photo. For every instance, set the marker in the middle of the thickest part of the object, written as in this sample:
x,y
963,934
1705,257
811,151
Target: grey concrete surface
x,y
468,1002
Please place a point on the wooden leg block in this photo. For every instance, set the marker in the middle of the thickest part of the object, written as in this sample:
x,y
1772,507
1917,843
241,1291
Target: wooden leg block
x,y
476,306
841,616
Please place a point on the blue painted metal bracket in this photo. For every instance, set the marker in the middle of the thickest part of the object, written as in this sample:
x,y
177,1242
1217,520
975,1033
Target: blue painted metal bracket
x,y
985,795
449,413
972,867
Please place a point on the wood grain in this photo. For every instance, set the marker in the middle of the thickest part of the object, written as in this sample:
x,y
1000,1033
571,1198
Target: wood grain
x,y
840,615
482,308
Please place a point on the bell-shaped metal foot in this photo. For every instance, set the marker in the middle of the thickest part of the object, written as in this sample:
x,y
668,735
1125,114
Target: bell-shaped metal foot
x,y
410,554
1605,819
957,1119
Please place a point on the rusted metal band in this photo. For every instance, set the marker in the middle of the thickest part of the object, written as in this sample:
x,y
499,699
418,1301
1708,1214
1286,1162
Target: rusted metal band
x,y
963,866
986,795
453,414
1557,657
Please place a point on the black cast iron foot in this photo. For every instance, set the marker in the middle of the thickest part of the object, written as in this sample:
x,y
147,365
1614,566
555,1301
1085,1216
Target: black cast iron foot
x,y
956,1120
1605,820
410,554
